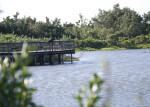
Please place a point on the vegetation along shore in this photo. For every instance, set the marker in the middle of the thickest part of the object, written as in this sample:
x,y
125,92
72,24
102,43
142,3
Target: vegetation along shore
x,y
119,28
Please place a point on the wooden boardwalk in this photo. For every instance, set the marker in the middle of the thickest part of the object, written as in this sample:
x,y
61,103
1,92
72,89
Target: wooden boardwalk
x,y
41,51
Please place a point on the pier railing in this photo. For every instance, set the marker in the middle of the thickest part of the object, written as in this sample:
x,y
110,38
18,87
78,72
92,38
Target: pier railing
x,y
36,46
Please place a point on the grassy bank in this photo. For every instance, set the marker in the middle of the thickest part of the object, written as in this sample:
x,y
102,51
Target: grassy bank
x,y
112,48
86,49
102,49
139,46
143,46
67,58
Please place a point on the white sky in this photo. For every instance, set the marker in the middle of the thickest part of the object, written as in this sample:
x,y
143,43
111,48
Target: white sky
x,y
66,10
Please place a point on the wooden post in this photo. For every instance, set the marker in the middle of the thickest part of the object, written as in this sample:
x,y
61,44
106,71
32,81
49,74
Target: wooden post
x,y
52,46
71,58
62,58
59,59
51,59
41,59
35,59
44,57
43,62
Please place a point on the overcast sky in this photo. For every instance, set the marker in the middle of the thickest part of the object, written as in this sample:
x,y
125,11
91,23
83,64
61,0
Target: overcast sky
x,y
66,10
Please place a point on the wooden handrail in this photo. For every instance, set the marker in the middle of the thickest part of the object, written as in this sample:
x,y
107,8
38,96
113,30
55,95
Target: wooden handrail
x,y
38,46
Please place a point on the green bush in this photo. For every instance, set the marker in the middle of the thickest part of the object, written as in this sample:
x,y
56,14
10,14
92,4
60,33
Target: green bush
x,y
140,39
14,38
89,42
88,96
112,40
14,78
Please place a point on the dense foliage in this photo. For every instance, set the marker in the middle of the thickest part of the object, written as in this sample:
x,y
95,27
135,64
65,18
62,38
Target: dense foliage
x,y
14,78
121,27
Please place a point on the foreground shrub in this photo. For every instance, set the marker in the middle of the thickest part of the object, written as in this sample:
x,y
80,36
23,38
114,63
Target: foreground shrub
x,y
14,78
88,96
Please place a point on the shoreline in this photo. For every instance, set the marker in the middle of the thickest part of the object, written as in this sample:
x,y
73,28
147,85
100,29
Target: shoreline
x,y
140,46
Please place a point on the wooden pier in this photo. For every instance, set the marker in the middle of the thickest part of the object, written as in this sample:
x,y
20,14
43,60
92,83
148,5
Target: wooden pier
x,y
42,52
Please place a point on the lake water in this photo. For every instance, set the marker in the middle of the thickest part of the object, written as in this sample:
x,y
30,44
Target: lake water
x,y
126,74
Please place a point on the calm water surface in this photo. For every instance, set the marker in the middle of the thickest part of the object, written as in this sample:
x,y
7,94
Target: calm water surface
x,y
126,74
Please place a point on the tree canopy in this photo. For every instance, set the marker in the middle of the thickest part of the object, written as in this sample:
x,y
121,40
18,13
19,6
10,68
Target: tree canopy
x,y
116,27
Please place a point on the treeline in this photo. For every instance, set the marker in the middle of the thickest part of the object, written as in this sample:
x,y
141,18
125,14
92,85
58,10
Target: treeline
x,y
120,27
